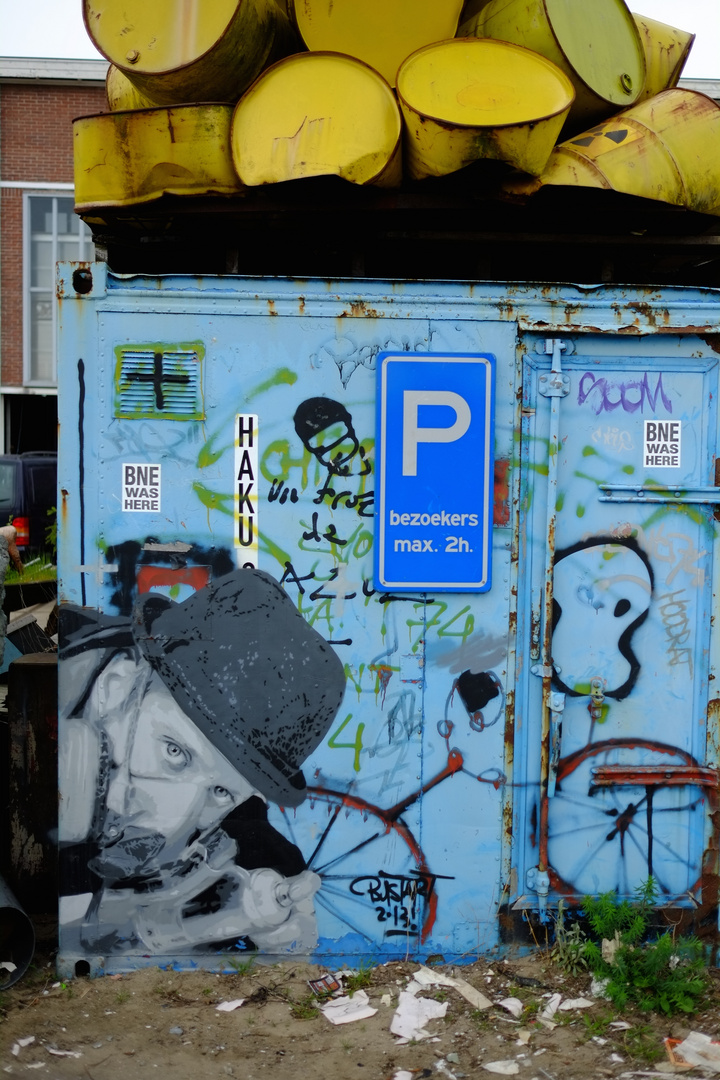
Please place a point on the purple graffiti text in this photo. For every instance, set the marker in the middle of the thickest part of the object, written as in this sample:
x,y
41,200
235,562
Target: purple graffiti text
x,y
606,395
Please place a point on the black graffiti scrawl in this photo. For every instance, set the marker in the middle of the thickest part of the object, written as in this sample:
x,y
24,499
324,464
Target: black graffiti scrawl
x,y
601,596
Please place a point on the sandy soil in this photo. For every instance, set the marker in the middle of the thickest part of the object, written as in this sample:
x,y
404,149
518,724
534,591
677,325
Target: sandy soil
x,y
163,1024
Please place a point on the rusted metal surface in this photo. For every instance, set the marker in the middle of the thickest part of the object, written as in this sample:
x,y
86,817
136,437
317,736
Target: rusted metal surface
x,y
130,158
469,99
656,775
666,51
212,53
666,148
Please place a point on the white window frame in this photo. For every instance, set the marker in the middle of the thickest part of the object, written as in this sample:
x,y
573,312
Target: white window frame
x,y
85,251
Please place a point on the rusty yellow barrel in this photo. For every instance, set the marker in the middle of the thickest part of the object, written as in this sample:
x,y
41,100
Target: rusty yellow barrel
x,y
176,51
127,158
666,148
318,114
380,32
666,52
122,94
469,98
595,42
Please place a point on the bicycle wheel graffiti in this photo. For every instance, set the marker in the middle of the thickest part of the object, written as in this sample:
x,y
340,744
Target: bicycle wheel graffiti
x,y
375,877
638,806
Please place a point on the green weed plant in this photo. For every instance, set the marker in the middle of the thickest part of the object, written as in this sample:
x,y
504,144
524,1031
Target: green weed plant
x,y
666,973
570,943
360,978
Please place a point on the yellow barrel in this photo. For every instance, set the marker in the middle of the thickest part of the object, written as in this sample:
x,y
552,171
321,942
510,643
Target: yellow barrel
x,y
176,51
666,52
666,148
121,94
472,98
318,114
595,42
470,9
380,32
126,158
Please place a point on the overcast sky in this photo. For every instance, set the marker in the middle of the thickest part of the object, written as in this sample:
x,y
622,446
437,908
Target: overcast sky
x,y
55,28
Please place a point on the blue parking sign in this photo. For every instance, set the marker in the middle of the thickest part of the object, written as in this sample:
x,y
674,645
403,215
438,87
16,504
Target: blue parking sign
x,y
434,472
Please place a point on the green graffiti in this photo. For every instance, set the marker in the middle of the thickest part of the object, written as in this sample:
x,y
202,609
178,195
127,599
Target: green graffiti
x,y
208,454
321,613
350,677
628,469
355,745
363,544
438,610
276,462
589,451
696,515
268,546
282,377
213,500
580,510
586,476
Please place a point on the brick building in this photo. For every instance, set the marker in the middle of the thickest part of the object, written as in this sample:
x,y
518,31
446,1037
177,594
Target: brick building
x,y
38,101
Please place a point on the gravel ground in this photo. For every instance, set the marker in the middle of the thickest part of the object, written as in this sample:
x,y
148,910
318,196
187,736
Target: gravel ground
x,y
163,1023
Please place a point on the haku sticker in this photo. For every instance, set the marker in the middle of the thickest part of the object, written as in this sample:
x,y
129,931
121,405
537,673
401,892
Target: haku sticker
x,y
141,488
246,498
662,444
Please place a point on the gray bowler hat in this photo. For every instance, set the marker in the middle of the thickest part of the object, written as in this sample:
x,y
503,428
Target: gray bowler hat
x,y
243,664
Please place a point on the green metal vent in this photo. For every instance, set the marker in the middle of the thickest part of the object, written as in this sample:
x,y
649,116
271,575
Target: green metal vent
x,y
163,381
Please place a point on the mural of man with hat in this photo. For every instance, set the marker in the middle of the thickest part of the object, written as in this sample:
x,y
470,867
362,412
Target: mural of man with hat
x,y
179,725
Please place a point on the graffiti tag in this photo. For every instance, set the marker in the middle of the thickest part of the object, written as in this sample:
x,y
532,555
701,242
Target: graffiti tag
x,y
673,610
606,395
395,897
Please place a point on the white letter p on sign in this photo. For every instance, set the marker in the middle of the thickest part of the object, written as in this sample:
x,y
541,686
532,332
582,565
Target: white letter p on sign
x,y
412,434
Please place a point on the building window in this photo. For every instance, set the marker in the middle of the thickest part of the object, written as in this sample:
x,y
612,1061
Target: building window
x,y
53,233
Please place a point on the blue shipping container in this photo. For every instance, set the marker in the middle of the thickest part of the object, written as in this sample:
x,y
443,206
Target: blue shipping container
x,y
262,746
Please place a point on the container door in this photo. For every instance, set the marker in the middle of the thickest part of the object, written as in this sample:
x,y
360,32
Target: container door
x,y
618,523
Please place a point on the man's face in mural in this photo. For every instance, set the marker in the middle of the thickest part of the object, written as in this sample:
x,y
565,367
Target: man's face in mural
x,y
168,784
180,724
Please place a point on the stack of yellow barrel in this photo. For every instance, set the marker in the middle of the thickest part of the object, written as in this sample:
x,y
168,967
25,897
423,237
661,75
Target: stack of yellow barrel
x,y
214,96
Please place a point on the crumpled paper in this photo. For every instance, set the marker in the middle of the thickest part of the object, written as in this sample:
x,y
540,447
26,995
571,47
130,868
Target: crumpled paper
x,y
513,1005
427,977
344,1010
412,1014
699,1049
504,1068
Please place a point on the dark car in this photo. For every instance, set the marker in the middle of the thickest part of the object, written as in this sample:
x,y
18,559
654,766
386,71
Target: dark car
x,y
28,490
